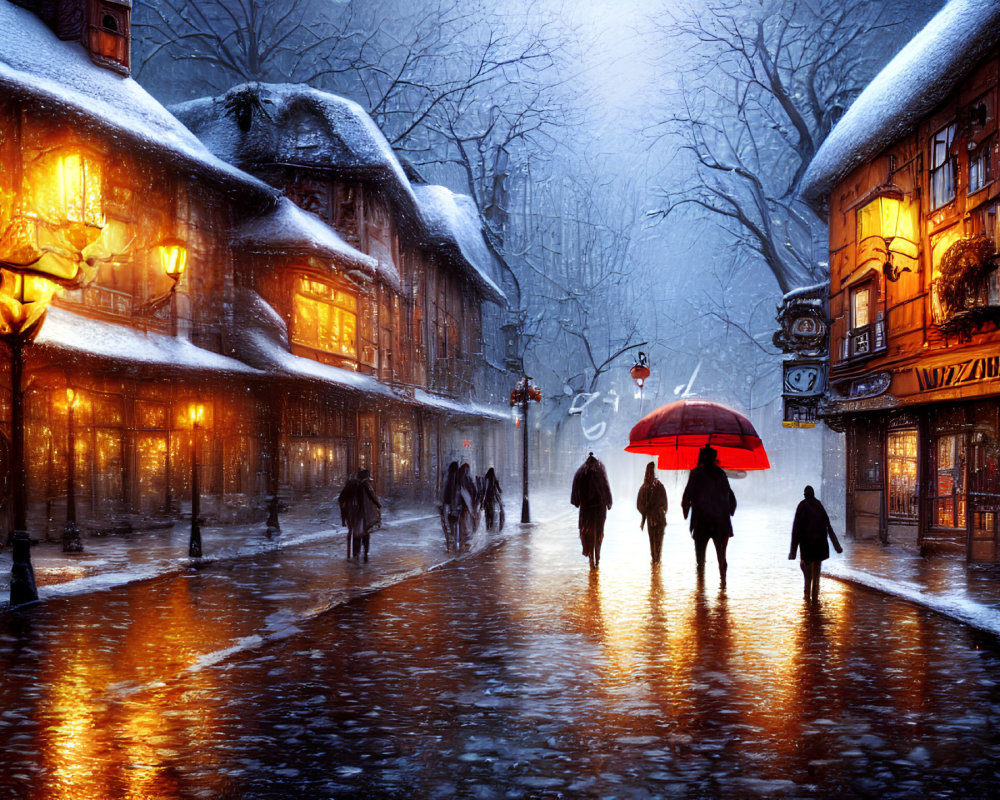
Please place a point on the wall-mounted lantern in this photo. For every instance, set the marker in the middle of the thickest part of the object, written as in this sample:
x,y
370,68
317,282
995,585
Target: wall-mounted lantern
x,y
886,218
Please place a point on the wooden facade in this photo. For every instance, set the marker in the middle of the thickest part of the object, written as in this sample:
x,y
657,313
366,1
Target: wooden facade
x,y
281,362
914,307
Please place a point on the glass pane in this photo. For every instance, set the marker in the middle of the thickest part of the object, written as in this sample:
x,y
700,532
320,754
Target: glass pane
x,y
902,451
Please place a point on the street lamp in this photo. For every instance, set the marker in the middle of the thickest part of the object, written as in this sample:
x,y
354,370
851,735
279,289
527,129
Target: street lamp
x,y
56,236
196,414
525,390
71,534
24,300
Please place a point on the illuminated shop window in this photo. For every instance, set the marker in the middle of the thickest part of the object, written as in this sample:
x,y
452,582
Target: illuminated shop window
x,y
66,186
948,482
325,318
942,167
902,462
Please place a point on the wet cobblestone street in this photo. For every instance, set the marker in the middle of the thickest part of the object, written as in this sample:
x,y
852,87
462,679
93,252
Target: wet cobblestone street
x,y
513,672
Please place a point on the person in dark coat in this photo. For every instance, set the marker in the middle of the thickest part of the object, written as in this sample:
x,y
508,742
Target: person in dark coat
x,y
591,493
492,501
711,503
810,531
449,509
465,505
360,511
652,504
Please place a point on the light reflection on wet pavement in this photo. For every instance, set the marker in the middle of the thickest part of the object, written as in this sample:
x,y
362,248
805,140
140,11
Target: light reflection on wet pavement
x,y
512,673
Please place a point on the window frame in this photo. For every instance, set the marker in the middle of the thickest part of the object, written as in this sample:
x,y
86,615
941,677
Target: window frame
x,y
942,168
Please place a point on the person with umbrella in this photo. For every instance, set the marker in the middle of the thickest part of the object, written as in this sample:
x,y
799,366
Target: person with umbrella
x,y
810,530
652,504
711,502
591,493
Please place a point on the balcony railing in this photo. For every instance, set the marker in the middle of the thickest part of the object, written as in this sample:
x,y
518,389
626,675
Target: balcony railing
x,y
981,302
864,342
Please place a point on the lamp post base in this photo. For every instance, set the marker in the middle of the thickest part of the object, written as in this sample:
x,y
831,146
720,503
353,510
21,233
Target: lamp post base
x,y
22,574
71,542
525,512
273,526
194,548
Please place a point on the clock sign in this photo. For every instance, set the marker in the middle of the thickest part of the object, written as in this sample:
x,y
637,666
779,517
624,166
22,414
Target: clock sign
x,y
804,378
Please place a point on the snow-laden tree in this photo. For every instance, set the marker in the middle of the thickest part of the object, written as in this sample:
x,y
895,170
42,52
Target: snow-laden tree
x,y
758,90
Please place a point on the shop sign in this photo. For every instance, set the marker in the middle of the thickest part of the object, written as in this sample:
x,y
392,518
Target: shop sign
x,y
800,413
974,370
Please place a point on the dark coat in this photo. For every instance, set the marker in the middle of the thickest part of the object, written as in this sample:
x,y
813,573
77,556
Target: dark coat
x,y
652,504
591,493
359,504
711,502
810,531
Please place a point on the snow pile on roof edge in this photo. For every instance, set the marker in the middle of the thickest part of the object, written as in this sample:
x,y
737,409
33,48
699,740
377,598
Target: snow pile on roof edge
x,y
910,86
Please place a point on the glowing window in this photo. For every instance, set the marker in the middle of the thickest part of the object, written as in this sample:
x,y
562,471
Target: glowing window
x,y
67,187
325,318
861,306
902,463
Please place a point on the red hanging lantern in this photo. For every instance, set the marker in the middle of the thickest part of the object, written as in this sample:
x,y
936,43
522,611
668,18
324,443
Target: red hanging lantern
x,y
640,370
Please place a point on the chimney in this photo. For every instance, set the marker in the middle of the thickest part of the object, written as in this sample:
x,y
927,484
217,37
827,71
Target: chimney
x,y
101,26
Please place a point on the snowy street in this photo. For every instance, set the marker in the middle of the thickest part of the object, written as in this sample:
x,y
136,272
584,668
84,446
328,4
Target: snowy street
x,y
511,671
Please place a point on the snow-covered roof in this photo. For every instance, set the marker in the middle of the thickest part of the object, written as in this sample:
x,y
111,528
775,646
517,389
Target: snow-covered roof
x,y
291,230
34,62
300,125
456,407
909,88
68,331
453,219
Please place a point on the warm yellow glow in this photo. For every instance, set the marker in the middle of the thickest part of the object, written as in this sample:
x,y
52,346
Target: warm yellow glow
x,y
173,258
325,318
891,221
23,301
196,414
67,186
71,398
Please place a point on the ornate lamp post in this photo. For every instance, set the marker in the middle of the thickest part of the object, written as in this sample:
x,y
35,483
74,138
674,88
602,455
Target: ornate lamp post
x,y
525,390
24,300
71,534
60,242
196,413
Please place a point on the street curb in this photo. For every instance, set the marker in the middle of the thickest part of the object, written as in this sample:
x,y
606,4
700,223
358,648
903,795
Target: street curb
x,y
957,608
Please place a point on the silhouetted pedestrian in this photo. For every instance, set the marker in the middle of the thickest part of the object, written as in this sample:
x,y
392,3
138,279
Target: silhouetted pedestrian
x,y
465,504
449,509
360,511
592,495
711,502
652,504
492,501
810,531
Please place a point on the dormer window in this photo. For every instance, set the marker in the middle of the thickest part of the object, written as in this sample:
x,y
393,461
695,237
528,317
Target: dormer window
x,y
108,33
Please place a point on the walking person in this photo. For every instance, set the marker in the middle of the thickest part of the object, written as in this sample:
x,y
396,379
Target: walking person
x,y
449,509
492,501
591,493
465,505
711,502
652,504
360,511
810,531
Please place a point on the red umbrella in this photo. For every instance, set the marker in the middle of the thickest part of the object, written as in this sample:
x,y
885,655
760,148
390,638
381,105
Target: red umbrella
x,y
677,431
